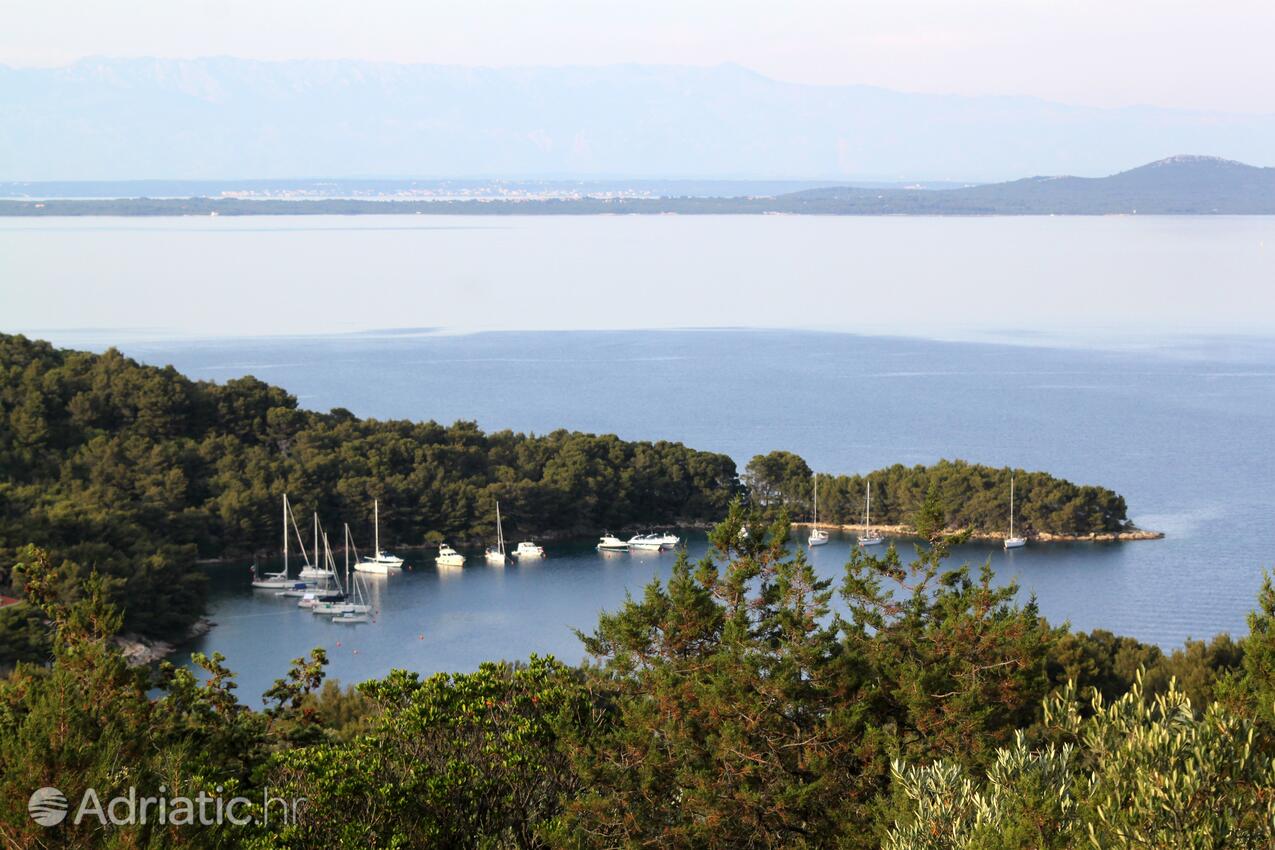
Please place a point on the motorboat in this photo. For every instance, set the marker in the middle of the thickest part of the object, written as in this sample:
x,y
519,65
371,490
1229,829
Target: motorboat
x,y
1012,542
496,554
818,537
869,537
449,557
653,542
645,543
611,543
527,550
379,562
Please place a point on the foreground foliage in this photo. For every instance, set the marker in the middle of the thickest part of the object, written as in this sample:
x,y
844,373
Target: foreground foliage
x,y
744,702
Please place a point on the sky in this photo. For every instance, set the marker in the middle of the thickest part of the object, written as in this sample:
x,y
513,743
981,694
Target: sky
x,y
1199,55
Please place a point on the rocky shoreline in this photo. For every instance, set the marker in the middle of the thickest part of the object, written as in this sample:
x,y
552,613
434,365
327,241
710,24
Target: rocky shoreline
x,y
1040,537
139,651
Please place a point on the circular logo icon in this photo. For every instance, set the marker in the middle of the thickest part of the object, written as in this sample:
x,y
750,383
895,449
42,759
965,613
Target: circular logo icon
x,y
47,806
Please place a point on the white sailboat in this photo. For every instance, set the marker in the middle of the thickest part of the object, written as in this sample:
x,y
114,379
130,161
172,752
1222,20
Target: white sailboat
x,y
869,537
380,563
818,537
354,603
279,580
1012,542
496,554
318,570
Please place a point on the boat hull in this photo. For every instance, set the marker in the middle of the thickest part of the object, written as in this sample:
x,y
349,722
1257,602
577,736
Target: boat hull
x,y
373,568
1015,542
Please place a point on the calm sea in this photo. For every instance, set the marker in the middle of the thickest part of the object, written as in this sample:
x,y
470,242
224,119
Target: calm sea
x,y
1183,428
1184,433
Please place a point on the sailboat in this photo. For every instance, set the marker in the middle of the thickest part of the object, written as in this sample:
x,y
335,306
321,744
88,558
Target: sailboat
x,y
354,602
496,554
869,537
279,580
381,563
1012,542
318,571
818,537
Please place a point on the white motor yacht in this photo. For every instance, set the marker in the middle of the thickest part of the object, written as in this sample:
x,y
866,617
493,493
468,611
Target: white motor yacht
x,y
527,550
611,543
449,557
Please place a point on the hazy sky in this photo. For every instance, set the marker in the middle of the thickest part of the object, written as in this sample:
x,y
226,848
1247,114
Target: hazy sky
x,y
1208,55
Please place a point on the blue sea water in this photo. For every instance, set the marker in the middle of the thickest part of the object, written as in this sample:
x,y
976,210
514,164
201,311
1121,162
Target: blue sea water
x,y
1182,429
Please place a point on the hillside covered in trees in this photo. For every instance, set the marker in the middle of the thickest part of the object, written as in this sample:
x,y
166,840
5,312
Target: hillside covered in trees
x,y
727,707
968,495
137,472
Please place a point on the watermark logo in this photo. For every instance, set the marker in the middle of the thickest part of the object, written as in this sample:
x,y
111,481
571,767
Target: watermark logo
x,y
47,806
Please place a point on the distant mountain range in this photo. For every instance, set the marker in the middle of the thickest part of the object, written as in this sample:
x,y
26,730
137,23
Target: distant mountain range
x,y
1182,185
108,119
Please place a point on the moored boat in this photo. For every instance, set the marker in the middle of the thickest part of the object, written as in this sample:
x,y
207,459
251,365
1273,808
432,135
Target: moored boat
x,y
496,554
1012,542
869,537
527,550
818,537
379,562
611,543
449,557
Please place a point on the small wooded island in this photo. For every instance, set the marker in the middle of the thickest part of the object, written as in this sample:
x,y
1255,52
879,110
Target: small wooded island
x,y
138,472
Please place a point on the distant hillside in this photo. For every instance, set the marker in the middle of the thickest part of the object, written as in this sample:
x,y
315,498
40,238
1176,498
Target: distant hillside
x,y
1179,185
111,119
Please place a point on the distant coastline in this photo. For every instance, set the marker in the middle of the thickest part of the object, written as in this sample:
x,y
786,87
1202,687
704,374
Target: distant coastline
x,y
1180,185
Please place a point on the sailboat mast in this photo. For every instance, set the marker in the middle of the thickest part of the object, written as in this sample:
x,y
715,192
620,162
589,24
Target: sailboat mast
x,y
816,517
376,521
346,546
1011,505
500,532
285,535
316,538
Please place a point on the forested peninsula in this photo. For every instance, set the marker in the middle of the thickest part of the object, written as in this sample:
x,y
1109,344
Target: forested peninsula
x,y
137,473
730,704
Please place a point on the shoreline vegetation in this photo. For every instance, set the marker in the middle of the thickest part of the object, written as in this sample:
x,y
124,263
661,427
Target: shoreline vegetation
x,y
1038,537
136,473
